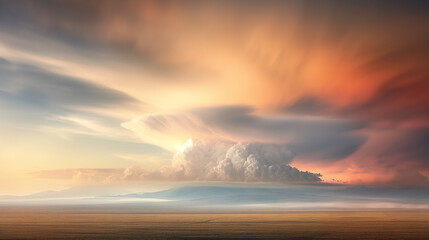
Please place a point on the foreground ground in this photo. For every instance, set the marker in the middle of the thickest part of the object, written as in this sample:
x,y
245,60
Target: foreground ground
x,y
60,223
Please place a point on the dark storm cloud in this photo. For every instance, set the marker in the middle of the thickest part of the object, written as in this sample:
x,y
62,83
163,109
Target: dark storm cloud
x,y
307,105
242,120
334,146
318,138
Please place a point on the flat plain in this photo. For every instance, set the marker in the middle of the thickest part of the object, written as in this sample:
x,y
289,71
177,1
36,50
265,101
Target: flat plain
x,y
87,223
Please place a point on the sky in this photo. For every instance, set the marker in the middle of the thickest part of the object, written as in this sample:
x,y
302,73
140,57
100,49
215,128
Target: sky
x,y
148,93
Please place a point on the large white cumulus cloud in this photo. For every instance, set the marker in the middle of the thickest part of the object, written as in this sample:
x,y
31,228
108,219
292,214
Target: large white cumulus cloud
x,y
207,160
243,162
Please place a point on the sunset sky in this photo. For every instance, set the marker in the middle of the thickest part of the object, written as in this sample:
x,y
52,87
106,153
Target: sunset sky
x,y
122,93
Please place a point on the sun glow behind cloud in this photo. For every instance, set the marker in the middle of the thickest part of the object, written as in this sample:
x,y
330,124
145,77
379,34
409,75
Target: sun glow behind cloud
x,y
186,145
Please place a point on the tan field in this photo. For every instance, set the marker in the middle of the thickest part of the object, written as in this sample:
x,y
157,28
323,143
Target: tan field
x,y
37,223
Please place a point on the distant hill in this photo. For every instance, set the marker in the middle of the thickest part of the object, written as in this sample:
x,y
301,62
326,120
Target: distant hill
x,y
237,197
248,195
